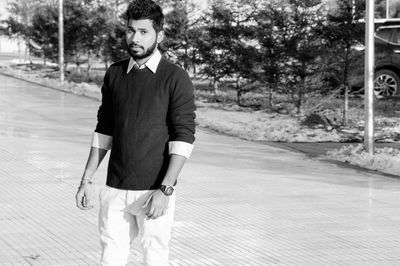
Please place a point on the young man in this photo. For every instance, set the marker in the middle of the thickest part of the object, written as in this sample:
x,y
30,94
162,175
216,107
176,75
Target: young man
x,y
146,118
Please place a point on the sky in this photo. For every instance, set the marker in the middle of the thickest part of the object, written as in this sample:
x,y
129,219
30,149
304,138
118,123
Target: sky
x,y
3,9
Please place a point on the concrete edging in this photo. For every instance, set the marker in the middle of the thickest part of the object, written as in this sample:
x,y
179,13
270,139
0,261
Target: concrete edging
x,y
66,87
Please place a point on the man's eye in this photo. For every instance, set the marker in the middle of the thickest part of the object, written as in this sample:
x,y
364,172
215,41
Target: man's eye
x,y
143,32
130,30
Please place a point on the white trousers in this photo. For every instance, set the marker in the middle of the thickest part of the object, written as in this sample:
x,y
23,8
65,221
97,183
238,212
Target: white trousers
x,y
122,219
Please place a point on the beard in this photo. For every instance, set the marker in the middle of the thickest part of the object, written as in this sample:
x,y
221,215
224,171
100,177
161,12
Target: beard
x,y
147,52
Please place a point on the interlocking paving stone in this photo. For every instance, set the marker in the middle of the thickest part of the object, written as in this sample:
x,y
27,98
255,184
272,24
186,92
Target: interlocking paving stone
x,y
238,203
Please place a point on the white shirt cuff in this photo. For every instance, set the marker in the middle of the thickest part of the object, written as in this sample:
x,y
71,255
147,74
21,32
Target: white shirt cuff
x,y
180,148
101,141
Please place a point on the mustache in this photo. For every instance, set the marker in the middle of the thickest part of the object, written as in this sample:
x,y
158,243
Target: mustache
x,y
133,45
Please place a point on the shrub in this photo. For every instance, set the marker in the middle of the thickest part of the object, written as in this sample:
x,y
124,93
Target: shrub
x,y
385,159
387,107
82,76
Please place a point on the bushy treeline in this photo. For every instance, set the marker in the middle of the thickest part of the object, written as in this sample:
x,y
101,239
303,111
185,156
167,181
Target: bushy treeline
x,y
286,46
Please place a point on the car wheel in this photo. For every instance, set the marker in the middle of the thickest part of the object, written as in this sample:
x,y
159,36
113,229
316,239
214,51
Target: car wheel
x,y
386,83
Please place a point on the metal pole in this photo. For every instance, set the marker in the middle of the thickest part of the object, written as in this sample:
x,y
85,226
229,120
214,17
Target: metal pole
x,y
369,78
387,9
61,39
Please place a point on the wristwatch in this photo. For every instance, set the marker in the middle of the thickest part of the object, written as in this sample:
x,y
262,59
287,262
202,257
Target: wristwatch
x,y
167,190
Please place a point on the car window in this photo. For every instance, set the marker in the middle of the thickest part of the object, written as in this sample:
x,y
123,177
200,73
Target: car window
x,y
396,36
384,34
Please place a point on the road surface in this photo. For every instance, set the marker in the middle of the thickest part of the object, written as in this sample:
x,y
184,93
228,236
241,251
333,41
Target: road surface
x,y
238,202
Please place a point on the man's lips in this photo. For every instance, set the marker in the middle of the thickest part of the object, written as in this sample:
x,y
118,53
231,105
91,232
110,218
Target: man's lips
x,y
132,46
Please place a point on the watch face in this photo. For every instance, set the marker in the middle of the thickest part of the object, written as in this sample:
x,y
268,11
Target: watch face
x,y
168,190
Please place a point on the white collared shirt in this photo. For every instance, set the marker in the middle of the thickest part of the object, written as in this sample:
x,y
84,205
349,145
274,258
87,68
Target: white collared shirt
x,y
151,64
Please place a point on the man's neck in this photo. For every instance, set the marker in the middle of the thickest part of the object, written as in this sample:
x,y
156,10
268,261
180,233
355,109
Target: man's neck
x,y
144,60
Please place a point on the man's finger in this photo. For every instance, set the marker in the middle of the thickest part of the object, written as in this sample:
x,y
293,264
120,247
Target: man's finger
x,y
78,200
82,202
147,201
85,207
158,214
150,213
79,194
87,201
154,216
79,204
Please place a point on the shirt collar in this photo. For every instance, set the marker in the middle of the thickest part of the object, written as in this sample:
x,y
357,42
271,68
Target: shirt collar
x,y
151,64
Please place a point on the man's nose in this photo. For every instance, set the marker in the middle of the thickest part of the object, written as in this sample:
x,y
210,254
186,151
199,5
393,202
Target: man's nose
x,y
134,37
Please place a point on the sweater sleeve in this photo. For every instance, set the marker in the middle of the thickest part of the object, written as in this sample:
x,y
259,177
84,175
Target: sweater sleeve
x,y
105,116
181,116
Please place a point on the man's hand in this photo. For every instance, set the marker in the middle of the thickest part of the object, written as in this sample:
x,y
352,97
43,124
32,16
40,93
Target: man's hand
x,y
83,197
158,203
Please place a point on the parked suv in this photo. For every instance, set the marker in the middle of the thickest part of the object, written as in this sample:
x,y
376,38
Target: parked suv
x,y
387,63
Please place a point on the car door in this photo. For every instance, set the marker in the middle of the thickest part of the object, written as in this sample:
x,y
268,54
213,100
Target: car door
x,y
395,48
383,50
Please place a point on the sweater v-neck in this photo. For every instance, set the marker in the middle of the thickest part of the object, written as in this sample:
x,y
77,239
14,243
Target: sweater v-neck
x,y
140,70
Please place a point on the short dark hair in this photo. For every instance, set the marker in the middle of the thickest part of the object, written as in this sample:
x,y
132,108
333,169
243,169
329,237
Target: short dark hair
x,y
145,9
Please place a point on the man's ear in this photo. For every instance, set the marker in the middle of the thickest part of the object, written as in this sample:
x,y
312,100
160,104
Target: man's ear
x,y
160,36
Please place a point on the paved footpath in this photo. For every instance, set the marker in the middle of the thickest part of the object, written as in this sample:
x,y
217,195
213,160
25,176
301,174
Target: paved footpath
x,y
239,203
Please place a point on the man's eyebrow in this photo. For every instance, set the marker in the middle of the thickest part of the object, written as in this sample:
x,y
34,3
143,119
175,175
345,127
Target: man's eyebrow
x,y
130,27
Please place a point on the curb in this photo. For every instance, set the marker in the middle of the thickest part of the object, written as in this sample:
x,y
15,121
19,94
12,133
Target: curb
x,y
68,87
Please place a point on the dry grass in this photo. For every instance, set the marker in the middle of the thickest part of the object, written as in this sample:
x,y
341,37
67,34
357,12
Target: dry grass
x,y
385,159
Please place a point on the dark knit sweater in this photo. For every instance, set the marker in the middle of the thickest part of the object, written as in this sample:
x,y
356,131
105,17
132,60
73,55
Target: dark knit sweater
x,y
142,111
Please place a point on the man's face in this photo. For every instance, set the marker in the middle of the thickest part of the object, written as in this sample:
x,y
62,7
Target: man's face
x,y
142,39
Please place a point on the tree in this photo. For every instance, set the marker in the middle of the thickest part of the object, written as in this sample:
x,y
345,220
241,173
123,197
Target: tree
x,y
270,20
181,32
302,45
85,29
44,31
20,20
99,18
114,48
341,32
225,47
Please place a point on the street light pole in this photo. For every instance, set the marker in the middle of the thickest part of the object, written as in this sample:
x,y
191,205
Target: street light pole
x,y
369,78
61,40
